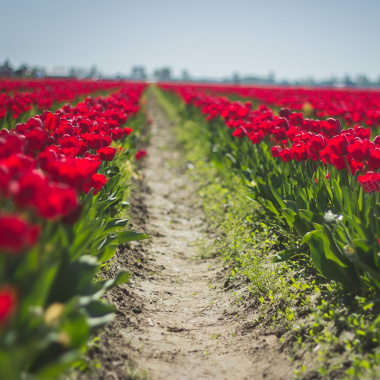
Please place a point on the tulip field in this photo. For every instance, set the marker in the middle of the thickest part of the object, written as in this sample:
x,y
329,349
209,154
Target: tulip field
x,y
309,157
62,182
320,175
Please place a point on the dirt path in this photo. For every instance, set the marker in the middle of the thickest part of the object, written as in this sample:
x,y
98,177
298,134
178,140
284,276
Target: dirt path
x,y
182,322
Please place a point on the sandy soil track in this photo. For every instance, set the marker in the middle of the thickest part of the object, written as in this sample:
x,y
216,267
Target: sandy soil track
x,y
175,319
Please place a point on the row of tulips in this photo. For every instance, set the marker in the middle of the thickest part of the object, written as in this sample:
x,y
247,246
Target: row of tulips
x,y
321,179
61,185
351,105
21,96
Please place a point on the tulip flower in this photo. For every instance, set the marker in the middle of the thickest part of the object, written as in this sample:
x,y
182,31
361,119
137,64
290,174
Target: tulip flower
x,y
16,234
8,303
140,154
107,153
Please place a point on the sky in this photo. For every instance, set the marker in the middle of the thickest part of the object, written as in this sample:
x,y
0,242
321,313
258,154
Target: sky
x,y
213,38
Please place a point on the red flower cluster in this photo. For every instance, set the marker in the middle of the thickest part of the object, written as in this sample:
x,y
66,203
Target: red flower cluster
x,y
140,154
47,162
19,96
354,106
293,136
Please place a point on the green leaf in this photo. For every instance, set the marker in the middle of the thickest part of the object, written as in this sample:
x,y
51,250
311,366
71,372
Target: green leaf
x,y
269,205
83,240
295,221
59,365
127,236
301,227
102,205
99,313
318,226
74,278
275,180
301,199
327,186
289,216
338,195
122,277
106,241
291,205
366,252
112,182
75,325
287,254
348,199
102,286
310,217
277,197
307,237
107,252
114,224
232,158
324,255
356,226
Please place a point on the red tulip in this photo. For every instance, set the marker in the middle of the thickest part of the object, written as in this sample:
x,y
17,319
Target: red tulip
x,y
373,162
8,303
60,201
140,154
127,131
339,145
360,150
97,182
276,150
239,133
51,121
286,155
355,166
107,153
296,118
16,234
11,143
30,190
256,138
370,182
316,144
117,133
285,112
300,151
338,161
331,127
376,141
363,133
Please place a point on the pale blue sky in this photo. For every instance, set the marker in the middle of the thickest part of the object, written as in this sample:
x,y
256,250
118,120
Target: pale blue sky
x,y
293,38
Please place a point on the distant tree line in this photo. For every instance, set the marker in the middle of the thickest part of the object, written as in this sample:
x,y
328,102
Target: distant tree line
x,y
165,74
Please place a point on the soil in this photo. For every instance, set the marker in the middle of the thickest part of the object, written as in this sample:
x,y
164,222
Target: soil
x,y
177,318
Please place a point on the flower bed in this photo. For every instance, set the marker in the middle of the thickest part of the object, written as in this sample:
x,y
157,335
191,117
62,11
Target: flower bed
x,y
322,179
61,184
